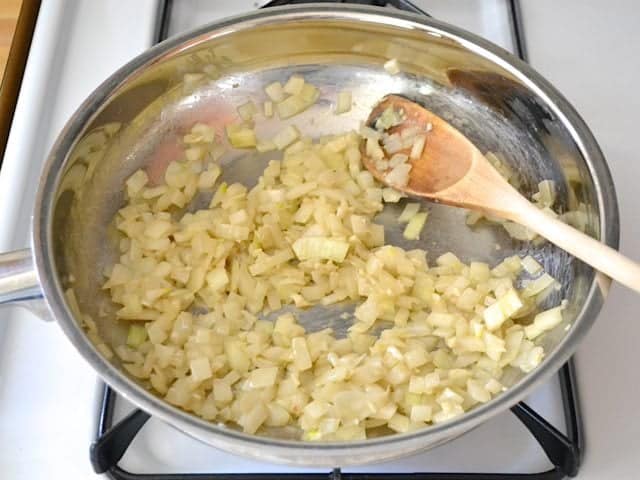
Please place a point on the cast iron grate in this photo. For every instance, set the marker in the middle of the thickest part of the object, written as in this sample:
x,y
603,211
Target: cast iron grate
x,y
563,451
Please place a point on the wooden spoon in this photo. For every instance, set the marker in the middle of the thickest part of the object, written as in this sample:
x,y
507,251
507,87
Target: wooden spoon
x,y
452,170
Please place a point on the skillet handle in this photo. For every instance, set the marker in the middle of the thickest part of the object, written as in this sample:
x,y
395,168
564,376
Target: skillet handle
x,y
19,282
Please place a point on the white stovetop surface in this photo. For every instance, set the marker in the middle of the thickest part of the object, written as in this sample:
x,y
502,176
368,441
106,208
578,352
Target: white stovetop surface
x,y
47,401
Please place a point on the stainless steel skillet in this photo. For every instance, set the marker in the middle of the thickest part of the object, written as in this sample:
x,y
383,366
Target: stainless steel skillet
x,y
498,101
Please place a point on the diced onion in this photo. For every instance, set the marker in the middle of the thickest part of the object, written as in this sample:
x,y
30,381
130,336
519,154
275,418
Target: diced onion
x,y
136,183
387,119
265,146
294,85
410,211
320,248
546,195
398,176
290,107
421,413
399,423
137,335
301,358
519,232
506,306
268,109
200,369
262,377
392,67
531,265
247,111
415,226
538,285
543,322
398,159
343,104
241,136
275,92
208,282
391,195
286,137
417,147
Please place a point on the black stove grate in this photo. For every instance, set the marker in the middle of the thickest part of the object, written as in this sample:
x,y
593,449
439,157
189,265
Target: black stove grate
x,y
564,451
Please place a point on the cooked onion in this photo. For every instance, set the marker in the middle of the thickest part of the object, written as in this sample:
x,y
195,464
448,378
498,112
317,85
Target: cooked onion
x,y
305,235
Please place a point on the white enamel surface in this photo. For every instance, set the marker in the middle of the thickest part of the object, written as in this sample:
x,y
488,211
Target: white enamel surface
x,y
47,393
47,401
488,18
590,52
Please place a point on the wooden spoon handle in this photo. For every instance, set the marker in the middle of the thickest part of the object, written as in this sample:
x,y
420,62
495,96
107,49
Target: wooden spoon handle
x,y
600,256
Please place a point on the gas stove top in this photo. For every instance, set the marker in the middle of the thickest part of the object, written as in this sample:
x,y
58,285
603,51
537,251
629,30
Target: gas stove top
x,y
526,442
51,408
522,445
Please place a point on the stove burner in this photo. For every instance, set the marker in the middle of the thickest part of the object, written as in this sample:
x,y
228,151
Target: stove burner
x,y
563,451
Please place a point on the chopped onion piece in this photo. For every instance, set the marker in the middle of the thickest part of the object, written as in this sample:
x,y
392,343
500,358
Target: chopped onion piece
x,y
546,195
208,178
200,369
286,137
301,357
320,248
247,111
398,159
506,306
217,279
268,109
137,335
392,144
417,147
381,165
387,119
373,150
519,232
543,322
294,85
343,104
262,377
275,92
136,183
309,94
291,106
531,265
252,420
577,219
369,133
410,133
265,146
241,136
538,285
410,211
415,226
391,195
421,413
392,67
399,423
398,176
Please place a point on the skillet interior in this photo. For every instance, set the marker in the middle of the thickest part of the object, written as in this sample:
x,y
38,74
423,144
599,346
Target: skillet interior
x,y
209,78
